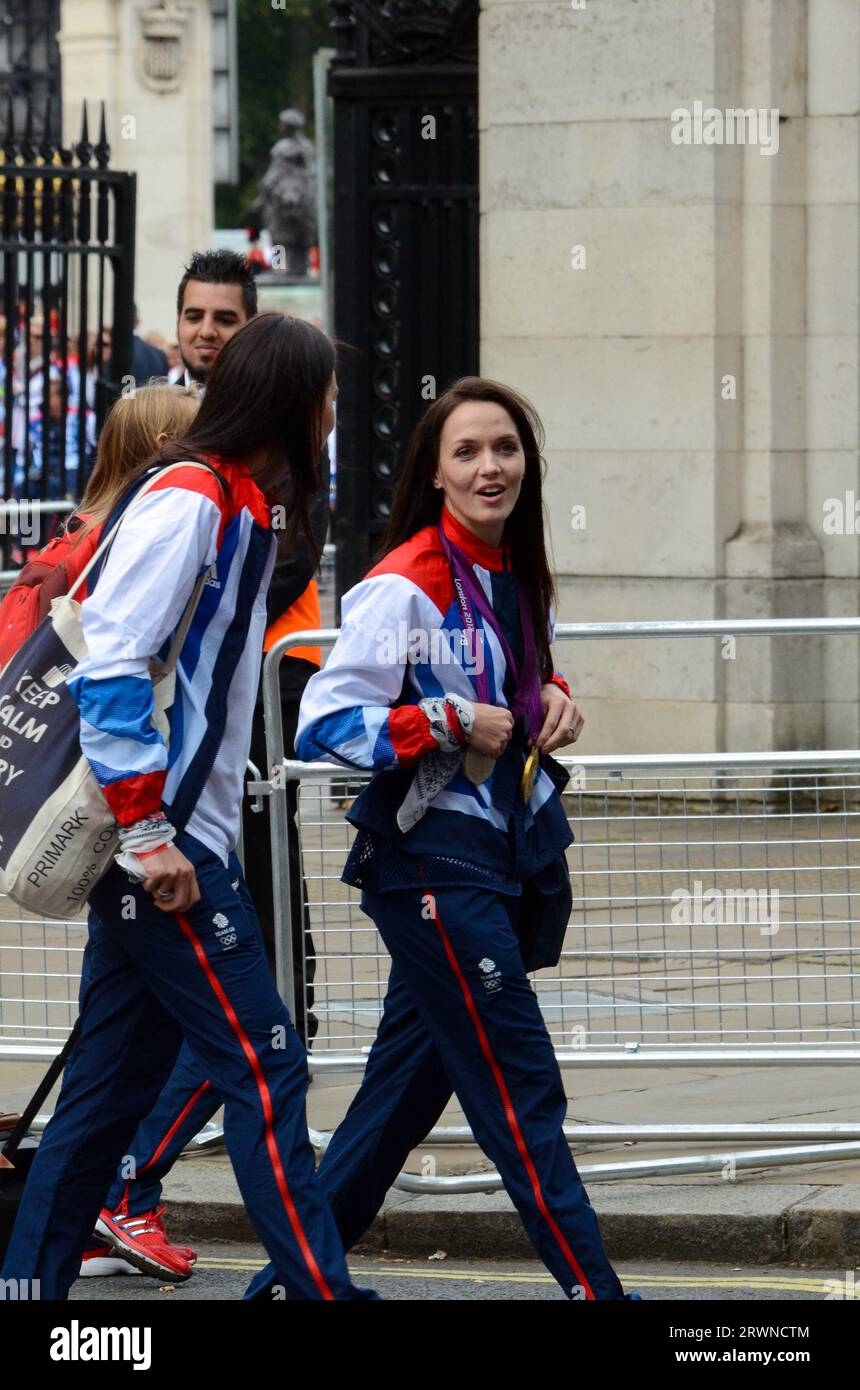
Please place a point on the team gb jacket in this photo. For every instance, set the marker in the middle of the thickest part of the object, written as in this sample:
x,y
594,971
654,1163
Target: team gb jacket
x,y
183,525
401,640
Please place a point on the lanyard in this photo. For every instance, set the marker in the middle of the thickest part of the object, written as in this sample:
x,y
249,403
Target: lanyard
x,y
470,594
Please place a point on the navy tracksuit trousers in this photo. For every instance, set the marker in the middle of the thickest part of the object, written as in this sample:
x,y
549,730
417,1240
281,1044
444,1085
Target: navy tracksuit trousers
x,y
185,1105
461,1015
188,1100
151,977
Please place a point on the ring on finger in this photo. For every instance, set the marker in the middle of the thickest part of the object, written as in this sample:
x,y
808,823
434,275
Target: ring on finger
x,y
162,893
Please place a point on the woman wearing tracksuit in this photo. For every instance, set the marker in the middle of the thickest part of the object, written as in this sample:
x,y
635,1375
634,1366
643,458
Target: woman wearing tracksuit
x,y
442,682
179,953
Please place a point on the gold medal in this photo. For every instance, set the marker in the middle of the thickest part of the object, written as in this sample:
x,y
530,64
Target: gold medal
x,y
530,772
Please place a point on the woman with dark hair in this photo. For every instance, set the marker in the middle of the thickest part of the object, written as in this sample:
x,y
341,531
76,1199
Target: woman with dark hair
x,y
442,683
174,948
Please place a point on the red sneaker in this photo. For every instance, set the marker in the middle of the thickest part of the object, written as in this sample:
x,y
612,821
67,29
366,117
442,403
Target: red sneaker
x,y
184,1250
142,1240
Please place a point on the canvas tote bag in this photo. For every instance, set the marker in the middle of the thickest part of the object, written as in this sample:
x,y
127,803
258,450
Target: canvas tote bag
x,y
57,833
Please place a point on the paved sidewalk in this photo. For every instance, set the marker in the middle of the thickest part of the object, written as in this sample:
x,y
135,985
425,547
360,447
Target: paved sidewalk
x,y
802,1213
751,1219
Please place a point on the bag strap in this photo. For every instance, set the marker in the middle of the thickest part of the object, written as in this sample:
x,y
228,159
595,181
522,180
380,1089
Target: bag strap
x,y
106,540
191,606
13,1143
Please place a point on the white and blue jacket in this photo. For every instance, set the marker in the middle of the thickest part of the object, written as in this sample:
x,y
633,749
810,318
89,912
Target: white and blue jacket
x,y
401,641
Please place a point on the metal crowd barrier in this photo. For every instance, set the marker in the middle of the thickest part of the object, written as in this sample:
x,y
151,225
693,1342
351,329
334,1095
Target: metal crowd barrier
x,y
647,979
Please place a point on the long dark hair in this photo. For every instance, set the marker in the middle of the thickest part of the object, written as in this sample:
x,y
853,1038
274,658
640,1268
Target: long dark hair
x,y
418,503
266,391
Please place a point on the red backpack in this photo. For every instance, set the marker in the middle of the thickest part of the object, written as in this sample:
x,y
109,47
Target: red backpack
x,y
50,573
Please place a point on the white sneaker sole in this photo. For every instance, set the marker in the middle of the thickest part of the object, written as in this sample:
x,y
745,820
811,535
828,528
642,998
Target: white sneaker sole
x,y
100,1266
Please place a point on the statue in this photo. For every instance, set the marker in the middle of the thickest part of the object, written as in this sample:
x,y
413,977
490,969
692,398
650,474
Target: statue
x,y
286,197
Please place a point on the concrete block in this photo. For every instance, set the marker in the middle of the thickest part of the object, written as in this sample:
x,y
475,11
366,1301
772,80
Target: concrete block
x,y
647,272
832,399
833,302
833,83
601,164
833,160
824,1229
609,61
657,515
775,386
774,270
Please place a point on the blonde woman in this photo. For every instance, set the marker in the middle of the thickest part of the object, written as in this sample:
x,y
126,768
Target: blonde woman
x,y
133,432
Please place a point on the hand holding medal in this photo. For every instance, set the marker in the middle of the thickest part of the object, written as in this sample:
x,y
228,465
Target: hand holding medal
x,y
562,724
488,739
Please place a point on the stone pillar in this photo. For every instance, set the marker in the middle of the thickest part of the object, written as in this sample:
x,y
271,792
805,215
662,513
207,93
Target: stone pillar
x,y
151,63
772,689
832,171
625,277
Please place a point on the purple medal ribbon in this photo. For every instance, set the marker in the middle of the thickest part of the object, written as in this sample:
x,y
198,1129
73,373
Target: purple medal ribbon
x,y
470,595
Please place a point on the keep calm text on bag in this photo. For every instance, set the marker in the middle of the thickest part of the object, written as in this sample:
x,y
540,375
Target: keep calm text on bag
x,y
57,833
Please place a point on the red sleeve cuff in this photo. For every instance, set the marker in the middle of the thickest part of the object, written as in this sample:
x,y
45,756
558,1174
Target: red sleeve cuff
x,y
135,798
558,679
410,733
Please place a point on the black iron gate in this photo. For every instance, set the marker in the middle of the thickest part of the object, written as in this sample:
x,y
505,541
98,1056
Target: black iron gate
x,y
67,247
404,83
30,61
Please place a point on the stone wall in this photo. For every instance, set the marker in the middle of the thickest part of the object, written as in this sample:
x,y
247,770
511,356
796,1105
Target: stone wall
x,y
702,262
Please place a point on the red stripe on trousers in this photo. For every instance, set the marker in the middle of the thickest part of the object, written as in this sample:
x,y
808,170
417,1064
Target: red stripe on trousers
x,y
268,1113
510,1113
180,1120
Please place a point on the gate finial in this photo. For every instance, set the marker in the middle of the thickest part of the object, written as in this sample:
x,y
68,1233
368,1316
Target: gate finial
x,y
48,148
102,148
84,149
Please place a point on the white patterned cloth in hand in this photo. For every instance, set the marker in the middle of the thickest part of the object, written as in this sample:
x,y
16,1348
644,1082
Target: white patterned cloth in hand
x,y
434,772
436,769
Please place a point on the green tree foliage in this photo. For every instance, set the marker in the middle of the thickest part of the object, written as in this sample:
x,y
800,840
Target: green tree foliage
x,y
276,46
